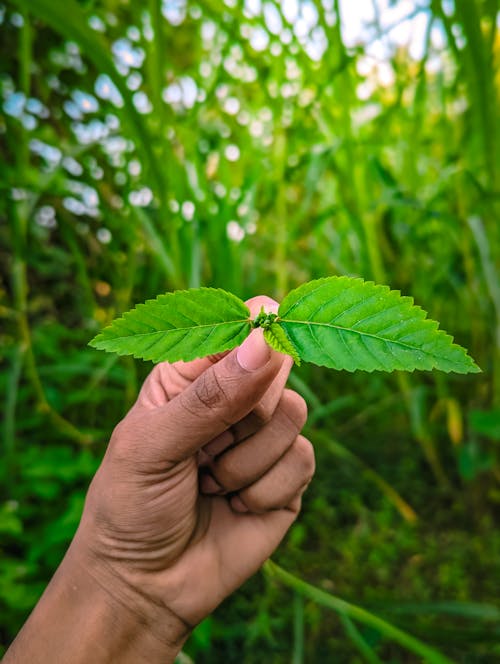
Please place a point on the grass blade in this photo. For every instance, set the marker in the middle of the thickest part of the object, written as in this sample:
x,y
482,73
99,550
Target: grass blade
x,y
354,612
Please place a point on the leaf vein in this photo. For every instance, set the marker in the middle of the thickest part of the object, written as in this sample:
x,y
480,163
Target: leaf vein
x,y
176,329
359,332
322,348
377,313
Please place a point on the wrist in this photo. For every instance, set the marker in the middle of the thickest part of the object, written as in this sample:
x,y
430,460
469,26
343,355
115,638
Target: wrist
x,y
158,633
88,615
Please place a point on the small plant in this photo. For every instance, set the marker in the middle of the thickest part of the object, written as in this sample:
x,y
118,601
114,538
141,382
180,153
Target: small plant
x,y
337,322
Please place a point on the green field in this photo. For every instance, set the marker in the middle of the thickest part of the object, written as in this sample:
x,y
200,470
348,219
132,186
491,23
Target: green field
x,y
152,146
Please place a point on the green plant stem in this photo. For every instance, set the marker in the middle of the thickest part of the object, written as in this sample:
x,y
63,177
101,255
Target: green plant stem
x,y
157,246
281,238
298,629
356,613
356,637
195,269
65,427
25,59
24,356
420,431
9,424
123,302
480,78
19,231
154,62
66,228
20,296
492,279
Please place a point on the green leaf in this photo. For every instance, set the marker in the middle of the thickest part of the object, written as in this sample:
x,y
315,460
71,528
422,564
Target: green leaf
x,y
181,325
276,337
348,323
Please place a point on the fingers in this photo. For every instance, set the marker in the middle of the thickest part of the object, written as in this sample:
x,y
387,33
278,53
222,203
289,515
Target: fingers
x,y
257,418
184,406
167,380
247,462
222,395
282,485
271,469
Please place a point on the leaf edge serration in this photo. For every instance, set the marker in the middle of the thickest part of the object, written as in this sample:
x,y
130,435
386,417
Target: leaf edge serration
x,y
102,341
287,347
286,306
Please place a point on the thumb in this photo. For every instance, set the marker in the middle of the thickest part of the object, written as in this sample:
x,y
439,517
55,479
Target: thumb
x,y
221,396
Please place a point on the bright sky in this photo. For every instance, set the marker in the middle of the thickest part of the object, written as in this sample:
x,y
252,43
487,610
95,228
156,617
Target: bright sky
x,y
359,14
403,23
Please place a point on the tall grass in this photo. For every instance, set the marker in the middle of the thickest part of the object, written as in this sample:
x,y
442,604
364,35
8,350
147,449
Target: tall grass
x,y
209,158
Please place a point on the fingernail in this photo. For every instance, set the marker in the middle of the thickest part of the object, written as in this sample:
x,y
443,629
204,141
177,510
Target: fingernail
x,y
254,352
238,505
209,485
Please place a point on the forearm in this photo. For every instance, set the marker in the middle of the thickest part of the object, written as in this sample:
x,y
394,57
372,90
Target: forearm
x,y
78,620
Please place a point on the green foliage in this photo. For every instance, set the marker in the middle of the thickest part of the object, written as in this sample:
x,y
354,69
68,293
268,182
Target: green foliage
x,y
365,617
226,163
338,322
178,326
350,324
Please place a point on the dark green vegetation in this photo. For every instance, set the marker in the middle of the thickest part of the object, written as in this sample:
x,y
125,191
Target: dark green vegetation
x,y
217,162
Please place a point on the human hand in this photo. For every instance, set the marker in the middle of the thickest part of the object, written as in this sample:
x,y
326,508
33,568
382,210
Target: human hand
x,y
200,482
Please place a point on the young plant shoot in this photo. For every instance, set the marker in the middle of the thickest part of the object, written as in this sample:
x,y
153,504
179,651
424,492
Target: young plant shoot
x,y
337,322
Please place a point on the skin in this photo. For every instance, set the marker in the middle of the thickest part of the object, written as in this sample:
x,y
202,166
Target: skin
x,y
199,484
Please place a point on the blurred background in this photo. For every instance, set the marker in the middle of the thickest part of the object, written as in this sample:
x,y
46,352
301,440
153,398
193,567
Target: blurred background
x,y
248,145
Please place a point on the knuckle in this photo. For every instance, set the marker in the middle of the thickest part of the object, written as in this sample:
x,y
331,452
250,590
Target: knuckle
x,y
119,431
160,374
260,502
295,506
208,390
122,443
295,407
129,442
304,451
264,411
154,391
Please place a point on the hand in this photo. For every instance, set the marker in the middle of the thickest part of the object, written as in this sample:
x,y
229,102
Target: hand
x,y
200,482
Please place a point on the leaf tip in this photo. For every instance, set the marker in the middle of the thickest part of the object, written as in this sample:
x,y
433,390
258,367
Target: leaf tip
x,y
93,343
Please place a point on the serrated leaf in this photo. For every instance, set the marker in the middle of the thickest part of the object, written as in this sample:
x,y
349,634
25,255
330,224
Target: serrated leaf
x,y
276,337
181,325
348,323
